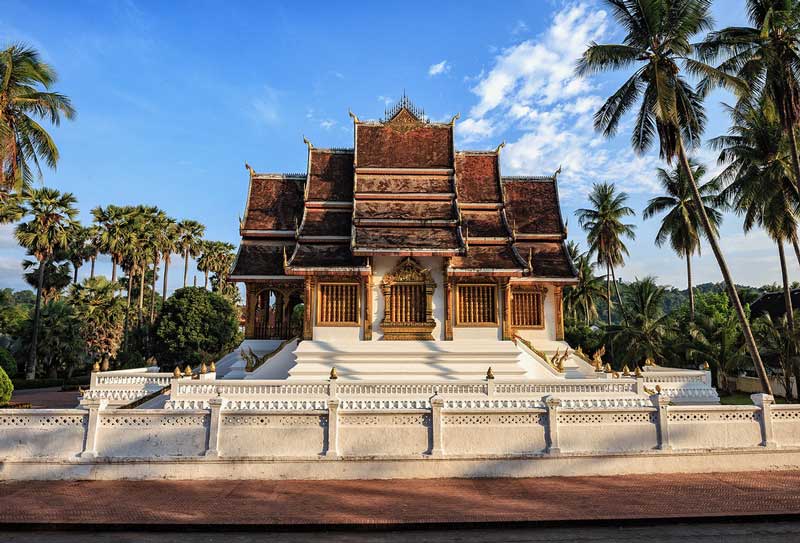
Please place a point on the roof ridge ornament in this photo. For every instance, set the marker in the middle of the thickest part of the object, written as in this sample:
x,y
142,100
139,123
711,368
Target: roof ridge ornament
x,y
502,144
307,142
558,171
250,169
454,118
404,103
353,116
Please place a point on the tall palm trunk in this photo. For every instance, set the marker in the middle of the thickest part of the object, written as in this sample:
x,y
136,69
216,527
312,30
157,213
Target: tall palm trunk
x,y
185,266
749,340
91,270
608,293
114,269
787,292
153,288
75,274
143,269
166,272
795,158
619,298
127,314
689,281
205,285
796,248
30,370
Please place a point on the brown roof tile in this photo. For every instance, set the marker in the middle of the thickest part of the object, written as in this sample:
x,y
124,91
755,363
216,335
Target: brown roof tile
x,y
484,223
402,183
387,209
532,206
325,255
476,177
383,146
325,222
260,259
500,257
548,258
274,203
330,175
412,238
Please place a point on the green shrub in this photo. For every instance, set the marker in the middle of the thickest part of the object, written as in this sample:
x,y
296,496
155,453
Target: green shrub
x,y
8,363
193,324
6,387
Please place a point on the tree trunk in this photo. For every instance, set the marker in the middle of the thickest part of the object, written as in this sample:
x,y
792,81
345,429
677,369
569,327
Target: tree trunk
x,y
30,370
91,270
205,285
185,266
608,294
795,158
619,298
689,281
141,290
75,274
114,270
153,293
166,272
787,292
127,314
796,249
749,340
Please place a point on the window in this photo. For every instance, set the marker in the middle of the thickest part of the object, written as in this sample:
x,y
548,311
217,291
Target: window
x,y
476,305
408,303
338,304
527,310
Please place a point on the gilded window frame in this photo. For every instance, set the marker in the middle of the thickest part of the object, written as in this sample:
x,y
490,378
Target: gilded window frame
x,y
542,292
487,324
337,324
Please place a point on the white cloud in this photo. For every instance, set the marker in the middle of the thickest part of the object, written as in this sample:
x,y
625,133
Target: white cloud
x,y
439,68
519,28
385,99
475,129
327,124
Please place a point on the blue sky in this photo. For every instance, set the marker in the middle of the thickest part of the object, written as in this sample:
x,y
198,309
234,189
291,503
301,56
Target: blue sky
x,y
174,97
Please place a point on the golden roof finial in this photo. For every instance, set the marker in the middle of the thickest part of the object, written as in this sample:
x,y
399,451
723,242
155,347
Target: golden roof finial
x,y
489,373
352,115
502,144
706,367
213,367
203,368
455,118
176,372
333,376
649,362
250,169
626,370
530,258
95,367
285,261
187,371
608,368
308,143
637,372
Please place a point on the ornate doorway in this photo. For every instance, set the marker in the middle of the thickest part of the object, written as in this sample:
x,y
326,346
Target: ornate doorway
x,y
408,302
278,314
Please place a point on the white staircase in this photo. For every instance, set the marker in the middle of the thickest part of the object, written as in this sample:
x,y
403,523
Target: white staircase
x,y
415,360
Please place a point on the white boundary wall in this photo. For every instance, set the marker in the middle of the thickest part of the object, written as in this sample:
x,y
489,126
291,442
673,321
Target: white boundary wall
x,y
437,441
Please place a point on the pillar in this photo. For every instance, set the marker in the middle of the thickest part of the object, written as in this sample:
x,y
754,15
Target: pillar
x,y
308,313
251,300
93,427
368,307
765,401
437,447
553,404
448,309
506,291
558,301
661,402
333,428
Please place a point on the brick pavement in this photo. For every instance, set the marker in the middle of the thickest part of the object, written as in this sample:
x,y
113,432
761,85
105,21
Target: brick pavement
x,y
389,502
47,398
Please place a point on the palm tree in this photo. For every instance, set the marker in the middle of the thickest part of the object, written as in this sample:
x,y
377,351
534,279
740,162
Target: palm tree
x,y
778,340
24,97
605,230
681,224
78,250
642,335
190,238
717,341
52,216
206,261
169,246
765,56
93,247
580,297
100,314
115,233
657,37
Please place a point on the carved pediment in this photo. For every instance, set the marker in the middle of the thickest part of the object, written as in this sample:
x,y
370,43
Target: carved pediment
x,y
408,271
404,121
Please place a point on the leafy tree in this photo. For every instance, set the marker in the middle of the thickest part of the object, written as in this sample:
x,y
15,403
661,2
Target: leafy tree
x,y
580,298
12,313
195,323
25,96
681,223
778,341
7,362
100,313
658,36
52,214
57,277
605,230
6,387
60,347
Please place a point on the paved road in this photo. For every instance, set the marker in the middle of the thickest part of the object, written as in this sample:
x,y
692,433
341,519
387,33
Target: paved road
x,y
47,398
762,532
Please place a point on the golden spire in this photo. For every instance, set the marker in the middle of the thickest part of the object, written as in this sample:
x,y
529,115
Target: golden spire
x,y
187,371
333,376
95,367
455,118
177,372
213,367
489,373
625,370
352,116
203,368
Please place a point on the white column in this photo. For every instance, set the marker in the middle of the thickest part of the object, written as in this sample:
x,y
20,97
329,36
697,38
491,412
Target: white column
x,y
215,404
765,401
333,428
661,402
552,404
437,448
93,426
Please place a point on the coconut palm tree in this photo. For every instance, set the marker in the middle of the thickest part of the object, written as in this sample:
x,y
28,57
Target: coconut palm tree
x,y
114,225
205,262
93,247
766,56
169,246
52,215
681,223
657,40
778,341
605,230
580,297
190,238
24,97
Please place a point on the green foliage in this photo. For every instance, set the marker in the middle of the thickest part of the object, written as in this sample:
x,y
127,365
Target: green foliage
x,y
13,311
130,360
60,347
6,387
195,323
7,362
579,334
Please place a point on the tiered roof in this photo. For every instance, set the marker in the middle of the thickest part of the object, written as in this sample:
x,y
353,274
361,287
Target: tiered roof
x,y
402,190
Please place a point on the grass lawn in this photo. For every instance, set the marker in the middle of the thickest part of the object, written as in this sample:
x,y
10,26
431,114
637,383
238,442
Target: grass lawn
x,y
742,398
